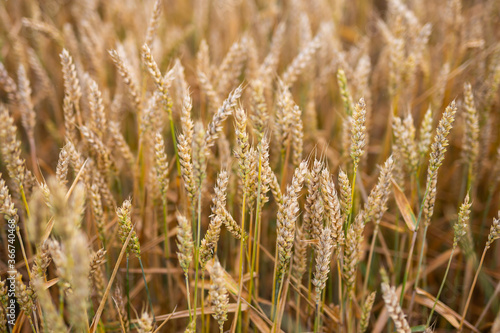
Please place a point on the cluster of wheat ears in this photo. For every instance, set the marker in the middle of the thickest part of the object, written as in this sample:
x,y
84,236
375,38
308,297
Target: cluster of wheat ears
x,y
249,166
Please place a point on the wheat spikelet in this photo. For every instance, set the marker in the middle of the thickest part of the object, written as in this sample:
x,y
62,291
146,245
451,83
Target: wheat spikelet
x,y
345,193
4,300
48,309
9,86
125,227
43,27
145,322
270,63
121,311
231,66
153,24
299,255
78,299
284,117
218,294
161,164
266,178
242,149
184,243
425,134
301,61
99,148
352,252
251,187
404,132
287,216
332,208
184,150
395,312
209,90
323,258
209,242
297,132
61,261
28,115
7,208
186,121
62,166
41,263
259,113
24,296
98,117
120,143
11,147
462,232
358,132
220,214
162,83
494,231
436,159
127,77
199,154
344,92
95,272
366,311
71,82
215,126
313,186
471,138
377,200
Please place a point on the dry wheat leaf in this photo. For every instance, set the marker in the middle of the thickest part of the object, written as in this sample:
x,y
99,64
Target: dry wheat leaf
x,y
426,299
404,207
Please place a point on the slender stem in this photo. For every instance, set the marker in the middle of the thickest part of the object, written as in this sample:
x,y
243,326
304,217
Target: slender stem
x,y
196,256
165,228
310,275
174,140
61,302
472,287
256,229
441,287
127,291
353,189
369,263
147,290
242,251
341,301
486,209
297,313
31,323
25,202
412,246
186,278
23,251
420,260
273,293
278,301
202,299
408,266
285,164
318,314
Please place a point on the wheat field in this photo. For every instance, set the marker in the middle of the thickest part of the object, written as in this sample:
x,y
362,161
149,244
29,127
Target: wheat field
x,y
249,166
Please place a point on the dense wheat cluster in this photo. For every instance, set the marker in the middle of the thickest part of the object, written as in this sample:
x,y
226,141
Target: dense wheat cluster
x,y
249,166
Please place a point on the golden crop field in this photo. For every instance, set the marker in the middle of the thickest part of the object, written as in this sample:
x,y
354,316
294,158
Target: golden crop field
x,y
249,166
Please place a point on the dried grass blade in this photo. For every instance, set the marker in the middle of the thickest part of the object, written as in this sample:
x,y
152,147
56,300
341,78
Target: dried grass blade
x,y
404,207
426,299
98,313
